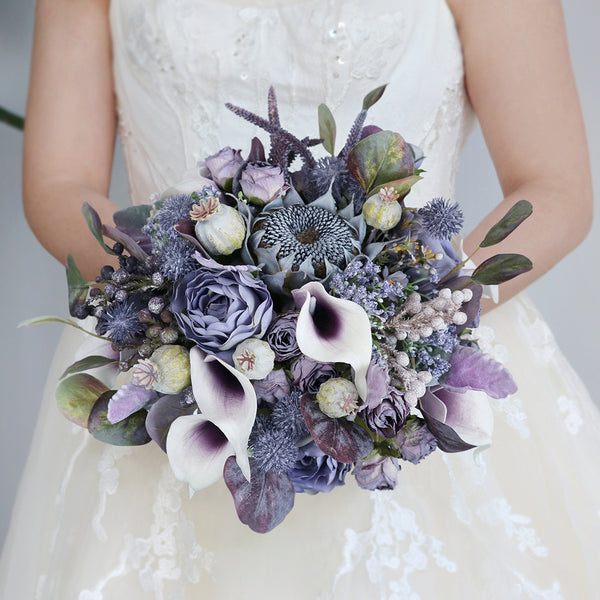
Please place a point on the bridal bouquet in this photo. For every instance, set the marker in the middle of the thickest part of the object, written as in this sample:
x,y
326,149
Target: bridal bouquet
x,y
284,322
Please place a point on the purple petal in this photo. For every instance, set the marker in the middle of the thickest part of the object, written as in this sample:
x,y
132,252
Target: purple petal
x,y
341,439
334,330
197,451
377,385
264,502
129,398
162,413
472,370
226,397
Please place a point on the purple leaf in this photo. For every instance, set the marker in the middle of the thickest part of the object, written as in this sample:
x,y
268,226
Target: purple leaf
x,y
129,398
341,439
162,413
118,236
262,503
472,370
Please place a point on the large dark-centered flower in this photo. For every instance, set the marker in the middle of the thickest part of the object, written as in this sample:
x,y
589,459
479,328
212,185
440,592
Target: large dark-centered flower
x,y
308,236
218,306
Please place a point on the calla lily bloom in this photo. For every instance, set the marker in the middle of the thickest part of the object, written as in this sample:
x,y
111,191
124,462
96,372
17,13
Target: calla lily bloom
x,y
333,329
197,444
459,420
197,450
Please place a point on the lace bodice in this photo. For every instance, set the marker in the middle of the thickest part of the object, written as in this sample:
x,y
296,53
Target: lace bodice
x,y
178,62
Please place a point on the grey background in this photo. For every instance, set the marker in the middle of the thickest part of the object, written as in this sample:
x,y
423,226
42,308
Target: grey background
x,y
32,283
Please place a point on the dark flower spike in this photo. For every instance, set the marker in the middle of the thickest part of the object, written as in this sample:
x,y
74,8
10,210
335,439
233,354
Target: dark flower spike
x,y
273,110
277,133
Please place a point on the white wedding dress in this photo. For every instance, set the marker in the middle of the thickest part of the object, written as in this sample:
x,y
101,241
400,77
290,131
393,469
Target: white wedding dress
x,y
519,520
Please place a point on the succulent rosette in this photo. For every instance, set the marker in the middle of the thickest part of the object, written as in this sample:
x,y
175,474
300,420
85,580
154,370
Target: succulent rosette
x,y
283,320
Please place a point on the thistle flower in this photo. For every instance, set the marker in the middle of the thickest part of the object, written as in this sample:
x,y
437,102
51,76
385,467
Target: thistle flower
x,y
120,322
441,218
286,416
274,450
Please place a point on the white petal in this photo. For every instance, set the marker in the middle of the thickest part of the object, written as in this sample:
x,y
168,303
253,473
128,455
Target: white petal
x,y
197,451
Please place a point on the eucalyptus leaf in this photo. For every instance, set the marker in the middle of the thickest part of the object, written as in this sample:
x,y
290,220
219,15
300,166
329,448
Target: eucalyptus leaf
x,y
77,285
87,363
373,96
508,223
35,321
95,224
501,268
327,128
132,246
128,432
379,159
77,395
12,119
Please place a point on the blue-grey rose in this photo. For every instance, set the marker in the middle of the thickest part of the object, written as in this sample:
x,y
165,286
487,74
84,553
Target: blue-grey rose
x,y
377,473
415,440
282,336
224,165
314,471
218,306
273,387
388,417
262,183
310,374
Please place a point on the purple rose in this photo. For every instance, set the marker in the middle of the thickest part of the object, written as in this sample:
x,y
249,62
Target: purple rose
x,y
218,306
282,336
273,387
415,440
310,374
377,473
314,471
262,183
377,385
388,417
224,165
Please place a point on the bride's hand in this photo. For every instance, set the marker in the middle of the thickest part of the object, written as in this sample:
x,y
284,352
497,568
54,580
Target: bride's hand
x,y
519,79
70,128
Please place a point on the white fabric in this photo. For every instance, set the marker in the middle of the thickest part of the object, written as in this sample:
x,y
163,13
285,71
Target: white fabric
x,y
520,520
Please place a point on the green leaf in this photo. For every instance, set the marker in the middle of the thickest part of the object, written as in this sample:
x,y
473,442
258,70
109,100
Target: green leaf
x,y
133,218
90,362
508,223
373,96
77,285
402,186
77,395
501,268
327,128
128,432
35,321
11,119
95,225
380,159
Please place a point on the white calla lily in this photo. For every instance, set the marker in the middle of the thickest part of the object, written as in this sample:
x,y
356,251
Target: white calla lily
x,y
333,329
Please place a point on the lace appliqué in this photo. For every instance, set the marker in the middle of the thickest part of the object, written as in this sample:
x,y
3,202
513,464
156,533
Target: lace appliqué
x,y
534,593
169,553
571,414
392,549
499,512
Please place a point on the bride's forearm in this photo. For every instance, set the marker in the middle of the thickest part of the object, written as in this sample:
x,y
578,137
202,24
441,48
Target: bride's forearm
x,y
560,221
54,213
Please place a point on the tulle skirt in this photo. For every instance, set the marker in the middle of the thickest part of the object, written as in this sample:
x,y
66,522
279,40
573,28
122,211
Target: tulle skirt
x,y
518,520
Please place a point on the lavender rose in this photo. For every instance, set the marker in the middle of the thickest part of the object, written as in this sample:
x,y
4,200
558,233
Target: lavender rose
x,y
224,165
377,473
218,306
388,417
314,471
415,440
262,184
282,336
310,374
273,387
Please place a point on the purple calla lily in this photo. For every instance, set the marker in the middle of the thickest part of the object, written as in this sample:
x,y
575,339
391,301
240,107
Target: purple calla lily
x,y
197,450
198,444
334,330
